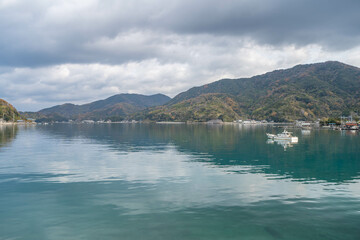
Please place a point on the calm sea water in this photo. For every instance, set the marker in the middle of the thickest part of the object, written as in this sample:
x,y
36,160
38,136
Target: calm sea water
x,y
142,181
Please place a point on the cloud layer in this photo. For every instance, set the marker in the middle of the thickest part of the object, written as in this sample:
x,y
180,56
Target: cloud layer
x,y
77,51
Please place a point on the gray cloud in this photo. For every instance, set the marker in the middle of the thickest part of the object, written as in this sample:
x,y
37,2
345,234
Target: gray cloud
x,y
275,22
53,32
59,51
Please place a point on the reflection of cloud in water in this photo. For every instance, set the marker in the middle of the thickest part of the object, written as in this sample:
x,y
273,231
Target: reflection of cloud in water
x,y
213,186
82,162
228,144
181,179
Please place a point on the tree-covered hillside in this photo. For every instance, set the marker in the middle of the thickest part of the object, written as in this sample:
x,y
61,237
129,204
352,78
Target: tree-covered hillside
x,y
306,92
8,112
202,108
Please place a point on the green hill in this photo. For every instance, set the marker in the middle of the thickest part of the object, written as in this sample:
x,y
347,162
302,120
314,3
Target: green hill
x,y
202,108
304,92
119,106
8,112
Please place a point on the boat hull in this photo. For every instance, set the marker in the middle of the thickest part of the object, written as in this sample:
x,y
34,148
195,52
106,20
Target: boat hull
x,y
290,139
270,135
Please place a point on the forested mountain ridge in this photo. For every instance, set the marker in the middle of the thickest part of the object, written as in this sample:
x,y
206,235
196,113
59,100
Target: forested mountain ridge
x,y
305,92
119,105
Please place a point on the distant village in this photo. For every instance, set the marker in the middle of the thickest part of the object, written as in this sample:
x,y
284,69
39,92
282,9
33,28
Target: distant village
x,y
342,123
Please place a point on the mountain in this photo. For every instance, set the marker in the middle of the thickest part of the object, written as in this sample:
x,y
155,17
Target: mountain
x,y
304,92
118,105
8,112
202,108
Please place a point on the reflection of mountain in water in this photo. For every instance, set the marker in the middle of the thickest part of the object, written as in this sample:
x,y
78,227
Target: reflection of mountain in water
x,y
7,134
322,155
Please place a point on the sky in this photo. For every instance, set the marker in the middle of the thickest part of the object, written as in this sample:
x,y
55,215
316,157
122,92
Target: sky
x,y
60,51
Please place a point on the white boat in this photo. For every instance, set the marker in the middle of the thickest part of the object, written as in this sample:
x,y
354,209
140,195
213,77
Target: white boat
x,y
285,135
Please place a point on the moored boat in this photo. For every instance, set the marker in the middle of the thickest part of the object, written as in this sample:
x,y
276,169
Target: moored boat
x,y
285,135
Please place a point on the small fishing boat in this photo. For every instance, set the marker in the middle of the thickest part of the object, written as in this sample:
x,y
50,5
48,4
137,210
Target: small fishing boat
x,y
285,135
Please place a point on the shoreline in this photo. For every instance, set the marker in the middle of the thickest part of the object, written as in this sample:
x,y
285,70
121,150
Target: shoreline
x,y
15,123
7,123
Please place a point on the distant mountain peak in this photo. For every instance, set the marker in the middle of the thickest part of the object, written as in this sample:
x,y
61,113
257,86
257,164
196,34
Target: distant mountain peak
x,y
119,104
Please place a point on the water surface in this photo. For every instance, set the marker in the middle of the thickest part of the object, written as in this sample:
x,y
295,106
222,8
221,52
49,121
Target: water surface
x,y
143,181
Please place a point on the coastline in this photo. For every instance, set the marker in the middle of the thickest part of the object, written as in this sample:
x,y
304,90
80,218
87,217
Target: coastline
x,y
7,123
16,123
